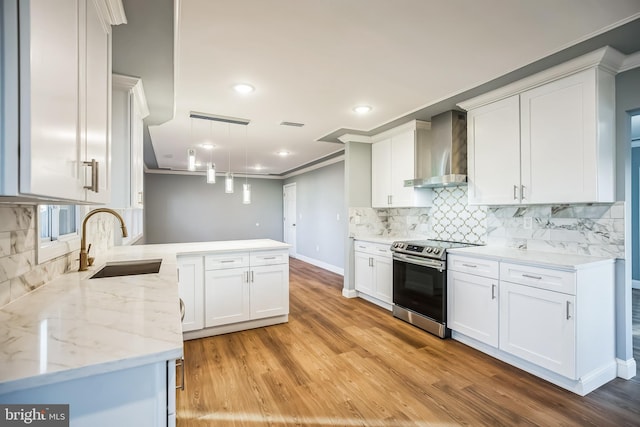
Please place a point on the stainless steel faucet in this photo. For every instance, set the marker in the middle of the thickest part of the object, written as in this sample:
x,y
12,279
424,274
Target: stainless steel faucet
x,y
83,243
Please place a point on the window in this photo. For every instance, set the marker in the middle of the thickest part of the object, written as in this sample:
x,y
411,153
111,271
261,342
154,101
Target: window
x,y
57,231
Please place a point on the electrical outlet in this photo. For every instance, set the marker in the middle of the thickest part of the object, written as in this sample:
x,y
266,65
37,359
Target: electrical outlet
x,y
528,222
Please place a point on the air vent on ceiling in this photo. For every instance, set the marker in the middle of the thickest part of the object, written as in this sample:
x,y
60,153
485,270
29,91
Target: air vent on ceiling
x,y
293,124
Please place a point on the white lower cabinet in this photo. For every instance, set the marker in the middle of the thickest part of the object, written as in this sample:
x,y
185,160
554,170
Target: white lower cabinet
x,y
239,290
539,326
226,296
190,289
555,322
473,306
374,272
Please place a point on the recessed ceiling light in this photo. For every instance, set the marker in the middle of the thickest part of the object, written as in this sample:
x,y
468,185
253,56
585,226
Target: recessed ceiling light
x,y
207,146
243,88
283,153
362,109
257,167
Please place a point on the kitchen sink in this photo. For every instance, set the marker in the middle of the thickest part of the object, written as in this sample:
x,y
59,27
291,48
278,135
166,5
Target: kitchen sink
x,y
128,268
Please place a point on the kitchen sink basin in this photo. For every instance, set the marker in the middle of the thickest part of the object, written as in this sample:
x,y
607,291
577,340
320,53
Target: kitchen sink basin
x,y
128,268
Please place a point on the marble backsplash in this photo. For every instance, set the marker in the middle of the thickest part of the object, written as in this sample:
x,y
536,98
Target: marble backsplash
x,y
19,271
588,229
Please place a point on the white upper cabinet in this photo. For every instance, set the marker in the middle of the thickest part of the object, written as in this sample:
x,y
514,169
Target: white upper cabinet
x,y
548,138
393,162
58,56
129,110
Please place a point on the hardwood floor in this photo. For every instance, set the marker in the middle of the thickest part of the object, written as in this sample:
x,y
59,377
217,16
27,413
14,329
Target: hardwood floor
x,y
346,362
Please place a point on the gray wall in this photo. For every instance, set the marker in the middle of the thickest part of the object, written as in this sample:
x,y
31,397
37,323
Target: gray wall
x,y
627,104
184,208
320,199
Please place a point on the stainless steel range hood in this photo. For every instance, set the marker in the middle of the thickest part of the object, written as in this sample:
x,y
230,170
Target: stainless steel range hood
x,y
442,161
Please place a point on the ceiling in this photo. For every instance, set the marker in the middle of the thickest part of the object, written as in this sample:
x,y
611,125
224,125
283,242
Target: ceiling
x,y
311,62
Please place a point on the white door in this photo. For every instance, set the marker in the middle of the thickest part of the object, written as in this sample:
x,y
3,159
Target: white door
x,y
190,290
493,151
364,272
269,291
539,326
289,199
383,267
473,306
402,168
226,296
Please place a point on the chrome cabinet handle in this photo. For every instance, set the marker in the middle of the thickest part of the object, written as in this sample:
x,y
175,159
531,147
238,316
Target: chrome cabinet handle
x,y
140,197
515,189
532,277
493,291
568,315
182,310
93,164
522,192
180,363
226,261
269,257
470,265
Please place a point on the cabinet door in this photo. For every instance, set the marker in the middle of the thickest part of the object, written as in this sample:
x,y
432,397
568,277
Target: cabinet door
x,y
190,289
95,133
226,296
402,168
49,151
381,174
493,137
473,306
539,326
363,273
269,291
559,141
383,266
137,156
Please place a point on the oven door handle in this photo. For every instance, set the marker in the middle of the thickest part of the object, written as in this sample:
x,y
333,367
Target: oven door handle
x,y
425,262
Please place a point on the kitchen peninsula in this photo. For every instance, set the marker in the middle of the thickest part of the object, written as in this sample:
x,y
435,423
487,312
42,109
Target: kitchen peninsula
x,y
118,337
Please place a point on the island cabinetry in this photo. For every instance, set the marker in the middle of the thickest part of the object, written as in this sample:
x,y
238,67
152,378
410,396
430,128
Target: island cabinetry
x,y
374,272
472,298
241,290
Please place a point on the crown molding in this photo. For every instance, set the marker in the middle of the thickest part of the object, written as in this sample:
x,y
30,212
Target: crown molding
x,y
134,84
630,62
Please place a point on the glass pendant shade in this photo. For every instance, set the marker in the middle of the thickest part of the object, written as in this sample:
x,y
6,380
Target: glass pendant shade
x,y
211,173
191,159
228,183
246,194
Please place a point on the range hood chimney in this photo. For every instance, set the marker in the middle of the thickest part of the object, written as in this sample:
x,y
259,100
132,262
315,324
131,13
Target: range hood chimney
x,y
442,160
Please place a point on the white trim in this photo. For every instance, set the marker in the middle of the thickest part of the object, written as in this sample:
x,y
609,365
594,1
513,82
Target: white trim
x,y
606,58
630,62
412,125
133,84
635,144
234,327
331,161
57,248
635,284
374,300
626,368
349,293
115,9
321,264
350,137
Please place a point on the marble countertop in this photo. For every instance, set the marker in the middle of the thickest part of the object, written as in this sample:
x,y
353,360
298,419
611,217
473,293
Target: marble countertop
x,y
74,327
549,259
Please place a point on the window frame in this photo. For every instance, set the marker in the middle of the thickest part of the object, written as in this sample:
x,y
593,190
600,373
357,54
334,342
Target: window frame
x,y
63,245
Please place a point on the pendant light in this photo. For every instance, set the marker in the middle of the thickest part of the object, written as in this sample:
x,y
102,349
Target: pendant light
x,y
246,187
211,167
228,178
191,159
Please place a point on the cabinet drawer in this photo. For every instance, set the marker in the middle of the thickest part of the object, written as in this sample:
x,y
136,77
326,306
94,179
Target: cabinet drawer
x,y
537,277
269,257
372,248
228,260
472,265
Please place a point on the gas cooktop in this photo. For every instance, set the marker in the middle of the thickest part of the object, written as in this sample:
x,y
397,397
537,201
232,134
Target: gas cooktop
x,y
436,249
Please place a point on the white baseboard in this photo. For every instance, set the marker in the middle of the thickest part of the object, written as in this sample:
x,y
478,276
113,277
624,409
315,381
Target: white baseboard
x,y
321,264
626,368
349,293
635,284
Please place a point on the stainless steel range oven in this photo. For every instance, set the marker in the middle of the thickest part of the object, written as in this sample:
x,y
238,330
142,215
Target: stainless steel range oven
x,y
420,283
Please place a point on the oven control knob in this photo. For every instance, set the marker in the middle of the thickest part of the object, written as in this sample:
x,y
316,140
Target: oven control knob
x,y
429,250
436,251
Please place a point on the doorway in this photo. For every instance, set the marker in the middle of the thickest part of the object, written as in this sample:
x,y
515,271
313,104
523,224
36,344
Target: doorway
x,y
635,232
289,218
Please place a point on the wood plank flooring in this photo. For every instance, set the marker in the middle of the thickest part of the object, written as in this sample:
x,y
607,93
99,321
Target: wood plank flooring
x,y
346,362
